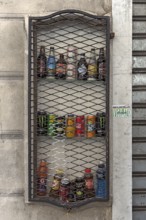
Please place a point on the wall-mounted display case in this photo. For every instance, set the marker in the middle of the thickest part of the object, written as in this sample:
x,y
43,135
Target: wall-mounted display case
x,y
68,109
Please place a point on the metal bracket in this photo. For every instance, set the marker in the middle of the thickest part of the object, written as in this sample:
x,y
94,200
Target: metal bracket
x,y
112,35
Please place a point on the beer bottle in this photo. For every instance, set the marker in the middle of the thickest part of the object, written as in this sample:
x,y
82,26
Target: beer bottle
x,y
101,65
61,68
82,68
51,65
41,63
92,66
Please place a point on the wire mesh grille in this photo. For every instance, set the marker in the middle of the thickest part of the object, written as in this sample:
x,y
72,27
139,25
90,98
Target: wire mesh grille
x,y
69,96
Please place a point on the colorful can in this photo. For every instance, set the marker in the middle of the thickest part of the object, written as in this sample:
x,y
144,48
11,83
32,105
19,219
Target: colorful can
x,y
80,126
60,126
41,123
90,126
70,126
100,123
51,124
70,120
64,189
80,188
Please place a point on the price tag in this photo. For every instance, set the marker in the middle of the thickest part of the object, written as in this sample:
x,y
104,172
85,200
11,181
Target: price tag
x,y
121,111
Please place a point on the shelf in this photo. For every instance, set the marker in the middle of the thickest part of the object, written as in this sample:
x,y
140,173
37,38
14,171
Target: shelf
x,y
61,97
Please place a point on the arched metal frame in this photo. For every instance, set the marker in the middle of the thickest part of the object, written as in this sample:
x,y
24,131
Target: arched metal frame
x,y
37,24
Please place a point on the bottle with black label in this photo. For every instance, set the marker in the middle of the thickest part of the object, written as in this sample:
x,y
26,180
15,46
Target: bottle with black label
x,y
61,68
82,68
92,66
42,63
51,64
101,65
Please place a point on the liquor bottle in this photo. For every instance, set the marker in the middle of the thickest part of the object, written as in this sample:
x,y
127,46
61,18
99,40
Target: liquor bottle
x,y
41,63
101,65
82,68
51,65
61,68
92,66
42,178
71,62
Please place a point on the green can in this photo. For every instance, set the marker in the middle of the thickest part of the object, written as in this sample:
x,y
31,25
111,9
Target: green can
x,y
51,124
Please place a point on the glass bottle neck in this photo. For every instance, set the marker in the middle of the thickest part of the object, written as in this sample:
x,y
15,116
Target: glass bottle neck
x,y
52,52
42,50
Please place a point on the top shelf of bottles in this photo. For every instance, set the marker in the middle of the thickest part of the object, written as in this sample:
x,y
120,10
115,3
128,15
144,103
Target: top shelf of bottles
x,y
71,68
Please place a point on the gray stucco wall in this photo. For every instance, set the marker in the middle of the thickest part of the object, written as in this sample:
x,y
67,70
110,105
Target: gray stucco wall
x,y
13,106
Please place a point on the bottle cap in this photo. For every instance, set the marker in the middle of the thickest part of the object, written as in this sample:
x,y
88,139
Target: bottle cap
x,y
43,163
87,170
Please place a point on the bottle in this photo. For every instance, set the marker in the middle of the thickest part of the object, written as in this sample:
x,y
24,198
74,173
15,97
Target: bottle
x,y
51,64
42,178
61,68
92,66
101,65
101,191
42,63
89,183
82,68
71,62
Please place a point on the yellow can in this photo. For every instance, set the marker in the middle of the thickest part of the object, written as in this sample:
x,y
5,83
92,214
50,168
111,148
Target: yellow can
x,y
70,131
90,126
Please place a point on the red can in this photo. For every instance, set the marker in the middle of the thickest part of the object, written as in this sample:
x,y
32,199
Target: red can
x,y
80,126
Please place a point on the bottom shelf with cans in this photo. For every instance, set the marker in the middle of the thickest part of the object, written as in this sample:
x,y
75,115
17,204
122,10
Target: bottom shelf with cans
x,y
65,192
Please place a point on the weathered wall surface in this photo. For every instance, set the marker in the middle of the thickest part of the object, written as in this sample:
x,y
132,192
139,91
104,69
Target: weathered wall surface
x,y
13,47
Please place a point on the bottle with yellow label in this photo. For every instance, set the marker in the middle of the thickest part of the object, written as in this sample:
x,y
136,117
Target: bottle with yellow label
x,y
92,66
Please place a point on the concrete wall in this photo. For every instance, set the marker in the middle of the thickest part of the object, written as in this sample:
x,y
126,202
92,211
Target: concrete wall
x,y
13,106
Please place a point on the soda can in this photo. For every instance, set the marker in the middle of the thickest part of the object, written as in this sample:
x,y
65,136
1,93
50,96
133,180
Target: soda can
x,y
64,189
41,123
70,120
80,126
100,124
103,122
51,124
90,126
60,126
70,126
